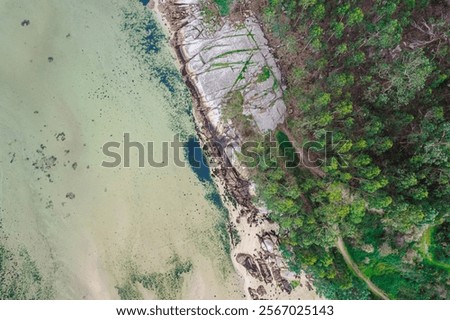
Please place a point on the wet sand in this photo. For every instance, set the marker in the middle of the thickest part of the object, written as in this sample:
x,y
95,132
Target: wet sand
x,y
70,81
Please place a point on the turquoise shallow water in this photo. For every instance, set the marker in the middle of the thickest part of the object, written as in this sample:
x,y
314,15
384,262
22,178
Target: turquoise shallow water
x,y
78,75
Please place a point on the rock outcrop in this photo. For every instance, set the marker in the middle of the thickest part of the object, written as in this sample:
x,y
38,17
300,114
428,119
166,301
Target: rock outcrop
x,y
223,59
233,58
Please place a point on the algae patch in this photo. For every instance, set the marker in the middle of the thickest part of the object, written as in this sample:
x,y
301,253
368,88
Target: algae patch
x,y
165,285
146,40
20,277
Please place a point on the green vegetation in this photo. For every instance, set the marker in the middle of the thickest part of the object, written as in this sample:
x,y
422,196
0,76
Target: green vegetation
x,y
234,107
440,248
265,74
233,110
242,72
210,13
435,246
375,75
224,6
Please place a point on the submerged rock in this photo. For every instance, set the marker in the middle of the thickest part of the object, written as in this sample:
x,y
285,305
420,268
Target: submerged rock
x,y
70,195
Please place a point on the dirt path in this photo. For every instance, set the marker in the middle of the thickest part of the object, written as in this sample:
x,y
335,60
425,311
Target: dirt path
x,y
301,154
352,265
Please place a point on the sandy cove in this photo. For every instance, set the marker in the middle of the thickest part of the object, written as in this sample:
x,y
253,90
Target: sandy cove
x,y
210,63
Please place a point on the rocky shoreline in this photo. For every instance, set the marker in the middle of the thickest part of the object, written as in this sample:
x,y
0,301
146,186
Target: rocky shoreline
x,y
217,61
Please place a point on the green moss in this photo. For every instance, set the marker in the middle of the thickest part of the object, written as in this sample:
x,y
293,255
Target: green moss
x,y
244,69
265,74
234,107
225,54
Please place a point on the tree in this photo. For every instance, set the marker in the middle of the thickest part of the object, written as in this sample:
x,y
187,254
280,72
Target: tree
x,y
402,217
338,29
355,16
401,81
